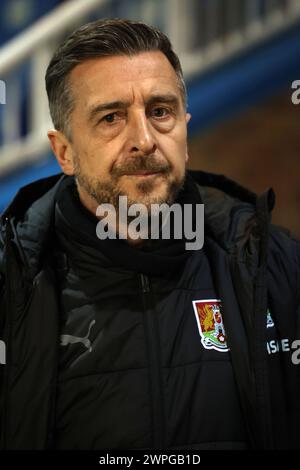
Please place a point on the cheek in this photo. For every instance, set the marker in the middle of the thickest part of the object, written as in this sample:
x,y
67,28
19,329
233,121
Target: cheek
x,y
174,148
96,159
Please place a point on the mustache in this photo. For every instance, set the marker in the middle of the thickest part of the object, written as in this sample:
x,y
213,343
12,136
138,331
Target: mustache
x,y
147,163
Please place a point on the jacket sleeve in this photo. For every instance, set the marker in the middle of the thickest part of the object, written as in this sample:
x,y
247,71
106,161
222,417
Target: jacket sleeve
x,y
296,245
285,263
298,271
1,279
2,343
2,290
2,300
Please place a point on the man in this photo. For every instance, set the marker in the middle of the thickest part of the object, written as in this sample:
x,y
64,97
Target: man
x,y
127,342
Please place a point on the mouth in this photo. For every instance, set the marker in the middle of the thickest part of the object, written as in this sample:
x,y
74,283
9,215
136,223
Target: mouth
x,y
144,174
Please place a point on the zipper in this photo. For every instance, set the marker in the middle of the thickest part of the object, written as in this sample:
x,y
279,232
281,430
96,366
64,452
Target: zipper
x,y
260,312
156,379
262,386
145,283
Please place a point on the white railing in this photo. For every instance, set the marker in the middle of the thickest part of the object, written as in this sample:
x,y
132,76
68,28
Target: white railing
x,y
203,33
237,35
36,44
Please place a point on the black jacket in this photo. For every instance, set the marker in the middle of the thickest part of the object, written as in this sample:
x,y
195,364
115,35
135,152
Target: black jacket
x,y
141,377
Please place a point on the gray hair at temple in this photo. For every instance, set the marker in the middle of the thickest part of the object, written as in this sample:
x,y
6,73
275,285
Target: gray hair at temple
x,y
101,38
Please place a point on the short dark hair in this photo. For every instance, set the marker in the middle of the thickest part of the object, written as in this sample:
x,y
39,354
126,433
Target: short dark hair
x,y
101,38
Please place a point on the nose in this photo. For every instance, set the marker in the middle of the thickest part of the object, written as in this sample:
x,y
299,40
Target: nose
x,y
141,137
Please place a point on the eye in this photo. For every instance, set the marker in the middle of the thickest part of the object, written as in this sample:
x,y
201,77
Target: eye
x,y
160,112
109,118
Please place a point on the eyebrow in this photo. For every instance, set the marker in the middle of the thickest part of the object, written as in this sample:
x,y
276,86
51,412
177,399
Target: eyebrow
x,y
105,107
166,98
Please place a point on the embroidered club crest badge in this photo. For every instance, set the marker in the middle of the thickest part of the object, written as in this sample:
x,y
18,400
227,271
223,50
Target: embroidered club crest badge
x,y
210,324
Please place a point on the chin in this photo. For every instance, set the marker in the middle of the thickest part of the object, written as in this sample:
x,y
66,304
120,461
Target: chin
x,y
148,199
149,193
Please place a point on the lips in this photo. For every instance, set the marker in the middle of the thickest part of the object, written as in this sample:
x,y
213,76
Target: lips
x,y
144,173
144,166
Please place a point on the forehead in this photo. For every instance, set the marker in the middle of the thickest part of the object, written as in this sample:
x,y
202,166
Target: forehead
x,y
117,77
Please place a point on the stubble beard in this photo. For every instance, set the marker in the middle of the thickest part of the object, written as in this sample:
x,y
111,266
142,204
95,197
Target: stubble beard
x,y
108,192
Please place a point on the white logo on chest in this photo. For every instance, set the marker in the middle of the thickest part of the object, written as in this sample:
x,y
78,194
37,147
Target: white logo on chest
x,y
69,339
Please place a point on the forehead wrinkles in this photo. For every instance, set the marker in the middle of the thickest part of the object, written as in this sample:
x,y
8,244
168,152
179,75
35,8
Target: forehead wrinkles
x,y
103,77
129,91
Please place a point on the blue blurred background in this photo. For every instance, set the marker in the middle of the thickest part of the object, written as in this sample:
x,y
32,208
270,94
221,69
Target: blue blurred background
x,y
240,58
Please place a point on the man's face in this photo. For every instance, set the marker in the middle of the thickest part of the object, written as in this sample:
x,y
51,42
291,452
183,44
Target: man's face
x,y
129,132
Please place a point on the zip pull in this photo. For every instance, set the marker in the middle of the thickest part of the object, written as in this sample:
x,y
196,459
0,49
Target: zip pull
x,y
145,283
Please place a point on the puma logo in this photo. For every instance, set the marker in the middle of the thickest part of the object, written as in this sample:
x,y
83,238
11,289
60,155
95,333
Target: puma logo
x,y
69,339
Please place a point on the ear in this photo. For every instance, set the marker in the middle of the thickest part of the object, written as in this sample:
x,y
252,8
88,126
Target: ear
x,y
62,149
187,120
186,155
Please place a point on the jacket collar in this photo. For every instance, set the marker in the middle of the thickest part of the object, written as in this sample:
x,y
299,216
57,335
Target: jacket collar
x,y
231,211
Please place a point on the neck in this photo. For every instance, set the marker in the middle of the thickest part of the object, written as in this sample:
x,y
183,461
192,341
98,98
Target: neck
x,y
112,219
